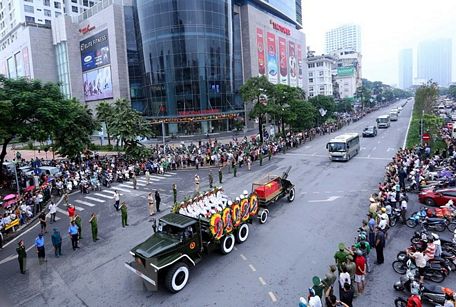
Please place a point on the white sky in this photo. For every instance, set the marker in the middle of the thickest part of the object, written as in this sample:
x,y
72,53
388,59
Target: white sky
x,y
386,27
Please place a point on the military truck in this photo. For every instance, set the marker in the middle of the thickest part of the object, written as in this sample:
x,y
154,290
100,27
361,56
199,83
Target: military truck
x,y
192,230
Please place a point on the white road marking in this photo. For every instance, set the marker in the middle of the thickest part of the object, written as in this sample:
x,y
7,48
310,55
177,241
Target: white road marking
x,y
332,198
142,180
96,199
62,211
406,132
84,203
105,196
123,190
79,208
140,184
390,149
362,148
368,156
12,257
316,192
243,257
171,173
374,148
235,248
262,281
272,296
252,268
167,175
307,146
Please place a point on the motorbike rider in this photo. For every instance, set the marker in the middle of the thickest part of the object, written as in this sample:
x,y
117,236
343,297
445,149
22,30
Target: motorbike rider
x,y
454,237
438,245
403,210
429,252
414,300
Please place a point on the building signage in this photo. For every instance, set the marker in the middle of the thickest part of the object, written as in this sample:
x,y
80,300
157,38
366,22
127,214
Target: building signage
x,y
272,59
347,71
280,28
198,112
86,29
95,51
260,52
293,64
283,61
300,80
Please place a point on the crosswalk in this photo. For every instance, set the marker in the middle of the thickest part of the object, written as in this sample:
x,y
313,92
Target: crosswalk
x,y
106,196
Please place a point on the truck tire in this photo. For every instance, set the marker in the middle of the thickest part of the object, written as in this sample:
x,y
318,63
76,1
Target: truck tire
x,y
177,277
291,195
263,215
227,244
242,233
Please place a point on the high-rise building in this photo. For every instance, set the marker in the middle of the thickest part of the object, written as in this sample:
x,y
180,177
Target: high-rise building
x,y
434,61
320,74
348,72
291,8
344,37
405,68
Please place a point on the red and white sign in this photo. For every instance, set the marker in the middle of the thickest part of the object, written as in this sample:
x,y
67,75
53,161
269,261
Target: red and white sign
x,y
280,28
260,53
426,137
86,29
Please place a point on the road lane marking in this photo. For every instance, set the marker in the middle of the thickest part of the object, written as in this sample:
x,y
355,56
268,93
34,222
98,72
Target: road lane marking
x,y
120,189
243,257
374,148
272,296
379,142
96,199
262,281
140,184
79,208
390,149
84,203
252,268
105,196
332,198
62,211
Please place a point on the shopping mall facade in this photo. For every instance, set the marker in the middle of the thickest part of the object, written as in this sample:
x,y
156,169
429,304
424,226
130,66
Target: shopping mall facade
x,y
179,62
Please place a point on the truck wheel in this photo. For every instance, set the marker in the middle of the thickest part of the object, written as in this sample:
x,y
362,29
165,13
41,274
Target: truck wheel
x,y
263,216
242,234
177,277
227,244
291,195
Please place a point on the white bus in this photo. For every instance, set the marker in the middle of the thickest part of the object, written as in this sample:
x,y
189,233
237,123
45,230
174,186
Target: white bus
x,y
343,147
383,121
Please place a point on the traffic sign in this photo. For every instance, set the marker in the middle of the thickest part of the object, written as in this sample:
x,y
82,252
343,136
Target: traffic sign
x,y
426,137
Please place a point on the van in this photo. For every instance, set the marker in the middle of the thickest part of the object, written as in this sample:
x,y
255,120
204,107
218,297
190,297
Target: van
x,y
9,167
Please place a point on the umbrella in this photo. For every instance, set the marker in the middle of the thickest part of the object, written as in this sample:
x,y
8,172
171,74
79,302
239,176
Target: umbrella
x,y
30,188
8,203
9,197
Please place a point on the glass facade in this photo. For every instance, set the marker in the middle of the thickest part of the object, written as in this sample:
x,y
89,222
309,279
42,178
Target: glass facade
x,y
291,8
61,51
187,50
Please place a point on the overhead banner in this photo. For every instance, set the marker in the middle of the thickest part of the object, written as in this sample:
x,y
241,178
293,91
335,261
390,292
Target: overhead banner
x,y
260,52
293,64
272,59
300,76
283,60
95,51
98,84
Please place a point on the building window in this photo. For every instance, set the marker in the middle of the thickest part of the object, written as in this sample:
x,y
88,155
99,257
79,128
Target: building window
x,y
322,87
29,19
47,22
311,88
47,2
57,5
28,1
319,64
321,73
74,1
311,65
311,80
85,2
311,74
321,79
74,9
91,3
47,13
28,9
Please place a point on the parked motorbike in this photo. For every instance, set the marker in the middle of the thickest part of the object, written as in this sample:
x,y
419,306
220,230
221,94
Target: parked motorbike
x,y
395,216
432,223
432,272
446,260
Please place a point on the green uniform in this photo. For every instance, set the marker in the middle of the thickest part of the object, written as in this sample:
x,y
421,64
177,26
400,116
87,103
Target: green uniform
x,y
340,257
211,180
123,211
220,176
78,223
235,170
261,159
366,244
94,224
22,258
269,154
175,193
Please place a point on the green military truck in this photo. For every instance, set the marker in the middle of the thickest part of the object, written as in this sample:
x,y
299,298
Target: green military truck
x,y
182,238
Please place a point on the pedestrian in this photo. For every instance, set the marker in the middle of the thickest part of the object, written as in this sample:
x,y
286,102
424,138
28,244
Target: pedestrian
x,y
220,173
39,244
157,200
77,220
175,193
73,233
22,256
360,273
317,286
330,277
347,294
151,204
403,210
331,299
211,179
43,223
147,176
1,239
379,245
135,182
124,213
344,277
261,158
65,198
234,169
269,154
313,299
94,225
197,183
117,200
52,211
372,226
71,212
249,163
57,242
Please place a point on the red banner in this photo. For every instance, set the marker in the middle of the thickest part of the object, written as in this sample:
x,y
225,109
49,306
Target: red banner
x,y
293,64
260,51
283,60
272,59
300,80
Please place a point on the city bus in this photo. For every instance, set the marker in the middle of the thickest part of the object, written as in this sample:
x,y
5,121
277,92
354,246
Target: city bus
x,y
343,147
383,121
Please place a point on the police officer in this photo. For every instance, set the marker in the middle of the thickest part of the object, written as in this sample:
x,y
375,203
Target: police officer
x,y
123,211
78,222
175,192
73,232
220,175
93,223
211,179
22,256
235,168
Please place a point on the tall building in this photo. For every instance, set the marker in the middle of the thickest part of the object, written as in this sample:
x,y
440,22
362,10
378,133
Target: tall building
x,y
344,37
291,8
320,75
348,72
434,61
405,68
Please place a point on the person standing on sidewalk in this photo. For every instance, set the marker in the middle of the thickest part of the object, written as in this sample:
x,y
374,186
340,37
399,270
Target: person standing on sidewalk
x,y
43,223
22,256
135,182
211,179
124,214
65,198
94,225
220,175
151,204
175,193
197,183
57,242
380,245
52,211
77,220
157,200
73,232
117,200
39,244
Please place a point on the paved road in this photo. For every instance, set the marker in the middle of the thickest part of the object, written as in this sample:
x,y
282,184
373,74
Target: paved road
x,y
274,266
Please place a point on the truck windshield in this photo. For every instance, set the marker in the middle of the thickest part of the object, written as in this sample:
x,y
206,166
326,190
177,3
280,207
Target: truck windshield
x,y
336,147
382,120
171,230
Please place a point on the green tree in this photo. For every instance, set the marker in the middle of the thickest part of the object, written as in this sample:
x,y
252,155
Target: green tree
x,y
105,113
128,125
324,103
425,96
363,93
259,91
344,106
283,97
452,91
305,114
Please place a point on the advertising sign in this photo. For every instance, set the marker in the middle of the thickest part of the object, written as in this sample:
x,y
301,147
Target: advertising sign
x,y
300,72
293,65
260,52
97,84
283,60
95,51
345,71
26,60
272,59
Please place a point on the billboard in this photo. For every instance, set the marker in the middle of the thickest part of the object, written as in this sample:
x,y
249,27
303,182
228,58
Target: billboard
x,y
293,64
260,52
97,84
272,59
283,60
95,51
300,72
345,71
